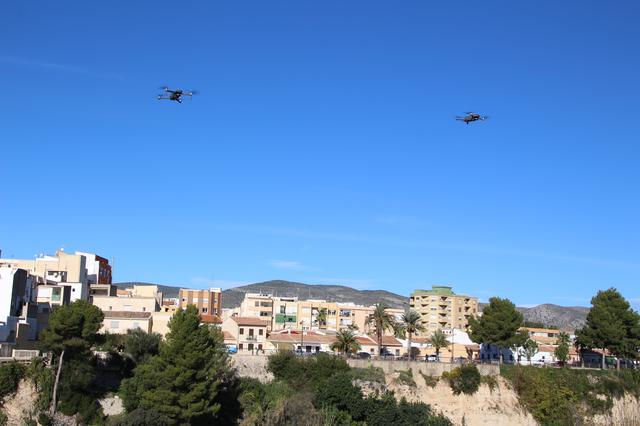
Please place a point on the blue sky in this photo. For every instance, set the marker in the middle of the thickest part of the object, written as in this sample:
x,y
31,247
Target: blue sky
x,y
322,146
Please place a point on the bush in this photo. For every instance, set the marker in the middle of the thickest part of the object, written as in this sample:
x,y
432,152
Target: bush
x,y
141,417
405,377
305,372
430,381
3,418
45,420
10,375
43,379
568,397
464,379
490,381
369,374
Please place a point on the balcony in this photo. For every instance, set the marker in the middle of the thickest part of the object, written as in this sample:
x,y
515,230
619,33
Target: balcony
x,y
251,338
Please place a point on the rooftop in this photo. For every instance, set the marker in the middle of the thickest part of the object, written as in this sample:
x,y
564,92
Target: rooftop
x,y
437,290
250,321
127,314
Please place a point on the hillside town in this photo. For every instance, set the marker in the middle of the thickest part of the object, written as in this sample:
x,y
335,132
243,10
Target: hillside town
x,y
264,323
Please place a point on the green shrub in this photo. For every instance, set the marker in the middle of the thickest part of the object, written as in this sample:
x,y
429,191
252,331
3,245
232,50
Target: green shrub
x,y
490,381
369,374
464,379
405,377
3,418
305,372
44,420
430,381
43,379
10,375
566,396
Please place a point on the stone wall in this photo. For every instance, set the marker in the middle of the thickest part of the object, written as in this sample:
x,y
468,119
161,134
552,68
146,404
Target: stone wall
x,y
252,366
427,368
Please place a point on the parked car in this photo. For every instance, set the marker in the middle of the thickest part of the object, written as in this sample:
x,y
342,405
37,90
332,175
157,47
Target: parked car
x,y
431,358
363,355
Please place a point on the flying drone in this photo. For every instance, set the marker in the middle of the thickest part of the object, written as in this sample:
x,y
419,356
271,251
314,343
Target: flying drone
x,y
175,95
471,116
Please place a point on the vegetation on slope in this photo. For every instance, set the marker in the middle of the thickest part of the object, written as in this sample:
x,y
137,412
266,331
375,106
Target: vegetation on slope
x,y
562,396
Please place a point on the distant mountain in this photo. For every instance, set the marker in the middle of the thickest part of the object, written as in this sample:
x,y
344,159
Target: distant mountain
x,y
572,317
563,317
232,297
333,293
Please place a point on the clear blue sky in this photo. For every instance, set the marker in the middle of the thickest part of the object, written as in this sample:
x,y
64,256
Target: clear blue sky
x,y
322,147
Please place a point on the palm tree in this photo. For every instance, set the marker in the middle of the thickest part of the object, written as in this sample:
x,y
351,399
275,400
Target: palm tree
x,y
381,321
345,343
412,322
563,338
438,340
322,317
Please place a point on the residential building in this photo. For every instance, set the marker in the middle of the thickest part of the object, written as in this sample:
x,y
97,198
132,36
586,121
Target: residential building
x,y
18,310
441,308
208,302
76,270
250,333
258,305
134,309
291,313
119,322
300,340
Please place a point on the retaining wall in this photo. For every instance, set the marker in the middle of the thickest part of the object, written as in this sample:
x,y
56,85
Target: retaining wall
x,y
427,368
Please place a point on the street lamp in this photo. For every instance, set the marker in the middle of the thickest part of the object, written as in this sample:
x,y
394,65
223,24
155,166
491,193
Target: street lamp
x,y
302,337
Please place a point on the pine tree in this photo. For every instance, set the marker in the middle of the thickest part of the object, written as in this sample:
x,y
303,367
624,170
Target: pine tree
x,y
611,325
188,378
498,325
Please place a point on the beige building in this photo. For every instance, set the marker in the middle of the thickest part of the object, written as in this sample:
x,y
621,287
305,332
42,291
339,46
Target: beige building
x,y
133,309
441,308
119,322
208,302
250,334
290,313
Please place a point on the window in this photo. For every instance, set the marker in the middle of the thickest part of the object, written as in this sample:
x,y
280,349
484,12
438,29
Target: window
x,y
260,347
114,325
459,309
110,308
251,332
144,309
240,346
205,310
264,314
260,332
257,304
283,309
250,347
242,331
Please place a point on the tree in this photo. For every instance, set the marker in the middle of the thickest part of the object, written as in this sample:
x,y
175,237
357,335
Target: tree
x,y
322,317
381,321
438,340
412,322
611,325
71,332
562,352
498,325
190,376
563,338
140,345
346,343
529,349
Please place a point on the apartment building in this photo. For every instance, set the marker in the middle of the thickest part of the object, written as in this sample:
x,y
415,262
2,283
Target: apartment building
x,y
250,334
441,308
208,302
18,310
133,309
290,313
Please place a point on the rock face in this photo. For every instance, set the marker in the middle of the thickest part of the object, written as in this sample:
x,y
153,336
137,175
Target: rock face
x,y
21,405
625,412
499,406
252,366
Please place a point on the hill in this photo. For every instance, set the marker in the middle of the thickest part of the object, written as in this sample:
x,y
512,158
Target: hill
x,y
231,298
571,317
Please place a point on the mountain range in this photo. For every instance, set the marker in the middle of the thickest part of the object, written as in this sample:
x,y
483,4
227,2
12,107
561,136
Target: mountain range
x,y
564,317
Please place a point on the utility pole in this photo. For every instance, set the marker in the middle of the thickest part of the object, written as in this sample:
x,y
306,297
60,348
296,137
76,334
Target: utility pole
x,y
302,337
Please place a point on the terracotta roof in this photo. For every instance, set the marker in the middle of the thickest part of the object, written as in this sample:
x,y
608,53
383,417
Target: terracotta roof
x,y
366,340
127,314
121,292
228,336
545,340
539,330
546,348
210,319
168,303
250,321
